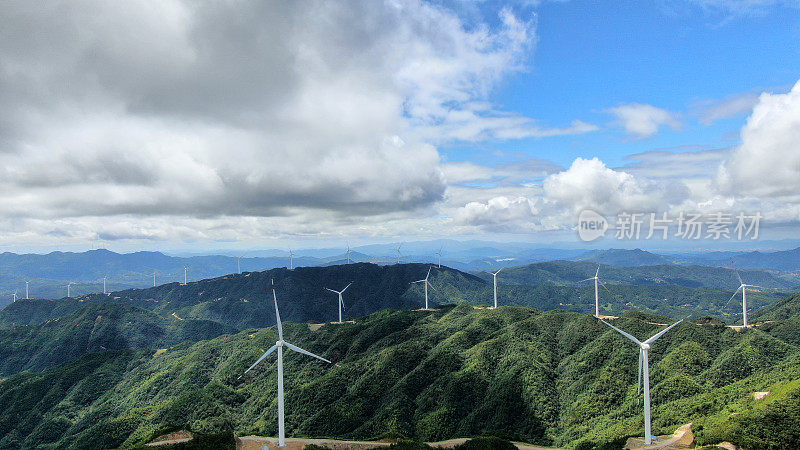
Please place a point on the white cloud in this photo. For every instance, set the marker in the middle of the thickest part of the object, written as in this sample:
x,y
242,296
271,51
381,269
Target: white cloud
x,y
588,183
767,163
499,214
266,111
642,120
712,110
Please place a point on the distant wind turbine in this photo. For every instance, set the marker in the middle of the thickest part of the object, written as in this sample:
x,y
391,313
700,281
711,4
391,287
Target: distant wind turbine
x,y
26,291
398,252
154,278
68,285
644,372
104,285
291,259
426,283
494,276
341,302
743,287
185,275
348,257
15,296
439,253
279,344
597,284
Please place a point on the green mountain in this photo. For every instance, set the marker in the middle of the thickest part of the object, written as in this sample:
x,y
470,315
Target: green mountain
x,y
552,378
244,300
96,328
571,272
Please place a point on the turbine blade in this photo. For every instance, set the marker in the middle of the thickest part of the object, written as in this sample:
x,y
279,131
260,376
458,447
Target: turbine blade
x,y
305,352
661,333
431,286
734,295
738,276
278,316
429,273
267,353
418,281
345,288
585,280
335,292
598,271
604,287
623,333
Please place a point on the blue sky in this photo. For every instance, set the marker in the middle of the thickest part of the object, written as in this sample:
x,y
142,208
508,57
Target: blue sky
x,y
186,125
591,56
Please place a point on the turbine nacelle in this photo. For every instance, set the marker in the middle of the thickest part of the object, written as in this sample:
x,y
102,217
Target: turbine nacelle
x,y
645,346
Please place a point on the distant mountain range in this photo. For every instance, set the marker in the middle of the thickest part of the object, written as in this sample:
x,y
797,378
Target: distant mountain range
x,y
49,274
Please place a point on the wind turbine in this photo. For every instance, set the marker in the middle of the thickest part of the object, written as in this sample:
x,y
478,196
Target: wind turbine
x,y
104,285
644,372
15,296
398,252
185,277
26,291
439,265
279,344
597,284
743,288
154,278
426,284
291,259
341,302
494,276
68,285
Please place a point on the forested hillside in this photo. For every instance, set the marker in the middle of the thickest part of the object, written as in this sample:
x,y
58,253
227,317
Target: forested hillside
x,y
241,300
97,328
571,272
552,378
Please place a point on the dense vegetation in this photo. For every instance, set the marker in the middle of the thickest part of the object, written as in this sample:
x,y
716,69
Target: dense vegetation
x,y
241,300
553,378
571,272
96,328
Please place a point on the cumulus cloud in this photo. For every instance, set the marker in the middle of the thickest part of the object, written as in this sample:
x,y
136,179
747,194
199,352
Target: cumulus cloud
x,y
767,163
499,214
263,109
642,120
588,183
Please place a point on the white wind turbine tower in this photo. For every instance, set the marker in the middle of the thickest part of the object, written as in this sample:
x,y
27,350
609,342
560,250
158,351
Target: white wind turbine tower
x,y
26,291
279,346
154,278
494,276
597,284
15,296
439,253
426,283
743,288
185,276
341,301
68,285
348,255
644,372
291,259
398,252
104,285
